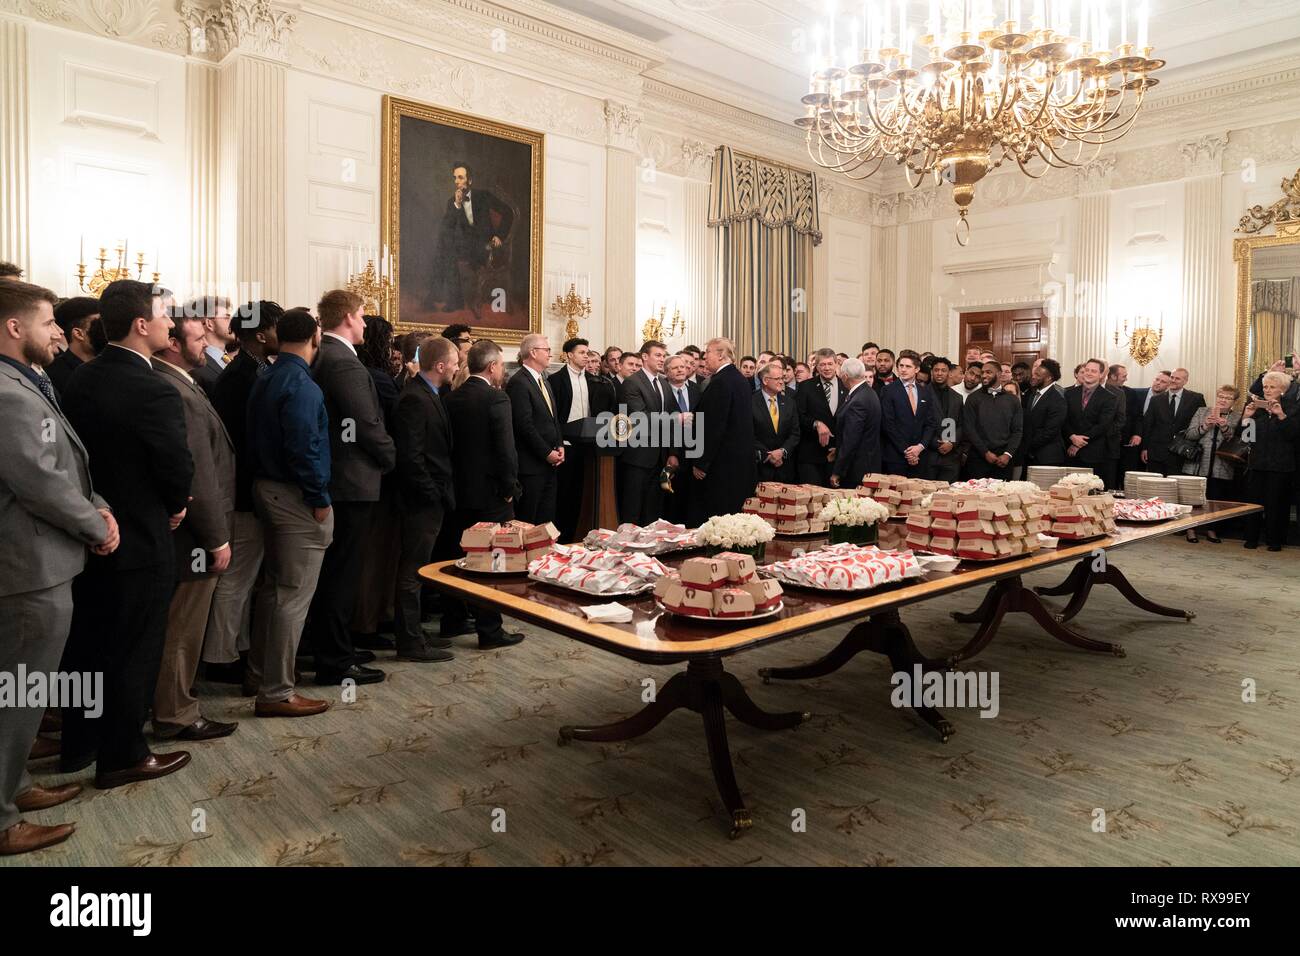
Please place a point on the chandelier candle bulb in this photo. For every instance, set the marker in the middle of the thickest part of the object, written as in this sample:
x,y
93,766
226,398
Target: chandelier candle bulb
x,y
1143,15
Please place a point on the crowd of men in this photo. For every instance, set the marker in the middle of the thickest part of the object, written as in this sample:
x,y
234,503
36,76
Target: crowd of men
x,y
201,490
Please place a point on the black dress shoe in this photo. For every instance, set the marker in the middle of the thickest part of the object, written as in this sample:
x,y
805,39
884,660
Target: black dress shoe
x,y
1275,547
447,633
431,641
362,656
423,654
1251,545
201,729
71,764
374,642
231,673
355,673
503,639
150,768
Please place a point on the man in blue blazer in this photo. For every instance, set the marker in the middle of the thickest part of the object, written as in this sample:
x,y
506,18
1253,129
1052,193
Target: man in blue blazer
x,y
909,418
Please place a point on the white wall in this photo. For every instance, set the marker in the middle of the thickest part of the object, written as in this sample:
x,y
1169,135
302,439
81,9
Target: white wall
x,y
661,256
107,133
843,320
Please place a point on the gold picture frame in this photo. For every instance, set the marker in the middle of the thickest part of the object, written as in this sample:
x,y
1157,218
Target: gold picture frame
x,y
476,148
1284,217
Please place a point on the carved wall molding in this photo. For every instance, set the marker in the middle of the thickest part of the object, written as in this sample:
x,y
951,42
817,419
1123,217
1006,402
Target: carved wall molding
x,y
1204,156
250,26
622,124
134,21
1096,176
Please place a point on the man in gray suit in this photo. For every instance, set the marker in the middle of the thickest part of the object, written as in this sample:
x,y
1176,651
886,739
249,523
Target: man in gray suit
x,y
49,516
361,453
203,548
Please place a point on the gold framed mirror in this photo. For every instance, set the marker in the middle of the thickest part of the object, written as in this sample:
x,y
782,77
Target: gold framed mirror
x,y
1268,284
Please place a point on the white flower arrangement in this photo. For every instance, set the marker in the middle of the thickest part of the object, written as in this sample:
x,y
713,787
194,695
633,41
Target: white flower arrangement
x,y
854,512
1020,488
1082,479
736,531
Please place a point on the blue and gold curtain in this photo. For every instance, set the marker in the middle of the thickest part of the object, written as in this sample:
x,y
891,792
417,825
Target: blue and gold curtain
x,y
764,217
1274,322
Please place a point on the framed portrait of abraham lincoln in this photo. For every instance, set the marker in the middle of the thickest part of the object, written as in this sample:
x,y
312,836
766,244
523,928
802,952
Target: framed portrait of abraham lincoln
x,y
463,221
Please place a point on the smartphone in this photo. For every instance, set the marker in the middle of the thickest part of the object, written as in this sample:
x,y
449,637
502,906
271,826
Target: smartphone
x,y
1289,361
417,355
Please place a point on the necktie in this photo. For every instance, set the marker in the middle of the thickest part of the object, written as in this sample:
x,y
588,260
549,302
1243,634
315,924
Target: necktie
x,y
1173,404
826,387
771,410
911,396
682,405
1087,394
546,396
658,394
47,390
1037,395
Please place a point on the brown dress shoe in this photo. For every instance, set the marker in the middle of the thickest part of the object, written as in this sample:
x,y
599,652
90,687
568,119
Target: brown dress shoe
x,y
150,768
294,706
43,747
23,837
42,798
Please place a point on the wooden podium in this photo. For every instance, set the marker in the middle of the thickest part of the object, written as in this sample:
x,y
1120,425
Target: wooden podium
x,y
599,508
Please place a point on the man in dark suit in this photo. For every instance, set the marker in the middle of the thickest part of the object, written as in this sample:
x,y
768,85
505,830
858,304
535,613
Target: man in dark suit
x,y
1136,402
683,399
645,395
75,318
133,425
203,541
1044,414
725,424
943,456
776,427
228,620
910,420
1166,417
857,423
884,370
994,420
1089,417
537,431
817,400
579,394
218,337
472,237
49,515
361,453
485,473
422,434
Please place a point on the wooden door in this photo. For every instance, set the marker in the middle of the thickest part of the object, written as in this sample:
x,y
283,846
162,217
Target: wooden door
x,y
1014,335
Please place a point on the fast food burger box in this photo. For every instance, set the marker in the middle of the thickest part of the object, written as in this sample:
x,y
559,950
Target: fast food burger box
x,y
732,602
792,511
1066,492
965,508
976,529
684,599
508,539
919,521
976,548
477,537
764,591
918,539
873,481
767,507
1003,547
751,505
768,490
943,544
478,560
1016,515
703,573
792,526
540,551
938,524
740,567
665,583
817,525
793,495
941,506
1001,527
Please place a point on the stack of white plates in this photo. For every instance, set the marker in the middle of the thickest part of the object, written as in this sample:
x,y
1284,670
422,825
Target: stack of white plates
x,y
1044,476
1166,489
1130,481
1191,490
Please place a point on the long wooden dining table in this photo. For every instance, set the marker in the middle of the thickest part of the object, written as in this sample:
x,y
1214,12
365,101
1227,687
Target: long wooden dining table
x,y
705,687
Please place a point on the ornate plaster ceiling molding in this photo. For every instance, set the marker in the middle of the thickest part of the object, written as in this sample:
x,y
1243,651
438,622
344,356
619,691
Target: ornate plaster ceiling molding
x,y
249,26
622,124
134,21
1204,156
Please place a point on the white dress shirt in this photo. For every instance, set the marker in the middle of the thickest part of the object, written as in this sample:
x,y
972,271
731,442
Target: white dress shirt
x,y
580,407
126,348
335,335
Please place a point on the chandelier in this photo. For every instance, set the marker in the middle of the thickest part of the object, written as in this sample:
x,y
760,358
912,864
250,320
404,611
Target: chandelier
x,y
975,91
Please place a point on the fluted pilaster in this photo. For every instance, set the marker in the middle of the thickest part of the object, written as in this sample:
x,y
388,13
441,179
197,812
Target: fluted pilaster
x,y
1202,224
620,247
1084,335
701,304
15,231
882,324
920,288
253,175
202,160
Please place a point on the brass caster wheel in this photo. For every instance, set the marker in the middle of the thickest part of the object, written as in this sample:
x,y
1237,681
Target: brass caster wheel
x,y
1118,650
766,675
564,738
1058,618
1189,615
740,822
805,716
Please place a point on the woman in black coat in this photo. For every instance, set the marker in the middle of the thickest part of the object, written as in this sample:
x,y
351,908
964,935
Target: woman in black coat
x,y
1271,469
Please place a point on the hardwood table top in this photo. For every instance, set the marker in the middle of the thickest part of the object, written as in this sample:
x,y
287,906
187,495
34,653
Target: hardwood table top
x,y
672,638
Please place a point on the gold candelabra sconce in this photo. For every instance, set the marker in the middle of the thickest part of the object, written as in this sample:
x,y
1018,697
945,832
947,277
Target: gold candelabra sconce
x,y
571,307
1144,341
659,328
94,283
374,287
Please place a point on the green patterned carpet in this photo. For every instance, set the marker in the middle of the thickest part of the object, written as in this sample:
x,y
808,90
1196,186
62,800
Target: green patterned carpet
x,y
410,774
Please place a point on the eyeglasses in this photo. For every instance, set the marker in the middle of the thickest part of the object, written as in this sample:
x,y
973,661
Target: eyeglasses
x,y
541,348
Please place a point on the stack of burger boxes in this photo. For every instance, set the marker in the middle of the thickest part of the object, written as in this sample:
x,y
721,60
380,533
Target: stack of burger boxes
x,y
725,585
790,509
899,494
978,526
489,546
1076,514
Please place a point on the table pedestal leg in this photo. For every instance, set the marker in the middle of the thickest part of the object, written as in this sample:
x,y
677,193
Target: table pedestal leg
x,y
1010,595
707,689
883,633
1082,579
